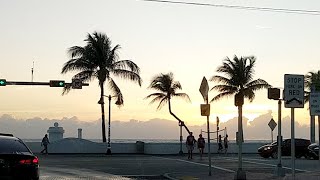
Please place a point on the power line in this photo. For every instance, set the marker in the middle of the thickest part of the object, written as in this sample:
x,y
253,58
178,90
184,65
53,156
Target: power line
x,y
280,10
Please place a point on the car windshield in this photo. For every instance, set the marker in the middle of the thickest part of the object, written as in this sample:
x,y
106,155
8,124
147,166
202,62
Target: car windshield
x,y
12,146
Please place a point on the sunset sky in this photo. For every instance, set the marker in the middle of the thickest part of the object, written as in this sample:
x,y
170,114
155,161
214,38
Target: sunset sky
x,y
190,41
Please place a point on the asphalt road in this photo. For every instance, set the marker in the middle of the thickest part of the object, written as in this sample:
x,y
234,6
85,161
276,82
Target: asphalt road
x,y
69,167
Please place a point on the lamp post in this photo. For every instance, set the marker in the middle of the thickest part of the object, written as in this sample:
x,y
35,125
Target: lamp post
x,y
109,119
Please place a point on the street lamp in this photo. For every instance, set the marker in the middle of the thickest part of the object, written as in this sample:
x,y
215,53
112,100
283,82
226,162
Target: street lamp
x,y
118,102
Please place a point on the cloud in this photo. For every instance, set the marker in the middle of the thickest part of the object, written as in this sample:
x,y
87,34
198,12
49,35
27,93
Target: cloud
x,y
36,127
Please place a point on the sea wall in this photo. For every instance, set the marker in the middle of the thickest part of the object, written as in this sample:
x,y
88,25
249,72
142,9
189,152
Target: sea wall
x,y
82,146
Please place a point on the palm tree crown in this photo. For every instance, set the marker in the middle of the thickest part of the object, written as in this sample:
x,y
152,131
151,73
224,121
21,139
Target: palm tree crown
x,y
98,59
311,79
238,78
167,87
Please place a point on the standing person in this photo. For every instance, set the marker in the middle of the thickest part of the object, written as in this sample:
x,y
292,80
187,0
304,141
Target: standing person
x,y
201,144
44,143
190,144
220,144
225,141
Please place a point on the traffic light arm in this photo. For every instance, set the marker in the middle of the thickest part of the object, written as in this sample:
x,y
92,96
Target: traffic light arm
x,y
36,83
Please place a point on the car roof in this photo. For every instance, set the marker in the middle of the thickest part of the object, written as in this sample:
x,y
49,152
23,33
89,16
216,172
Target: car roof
x,y
8,136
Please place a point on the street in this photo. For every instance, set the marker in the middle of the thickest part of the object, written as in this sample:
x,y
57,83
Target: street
x,y
155,167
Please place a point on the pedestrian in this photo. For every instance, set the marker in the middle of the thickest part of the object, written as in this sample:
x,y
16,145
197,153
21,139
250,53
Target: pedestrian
x,y
225,142
201,143
190,144
220,144
44,143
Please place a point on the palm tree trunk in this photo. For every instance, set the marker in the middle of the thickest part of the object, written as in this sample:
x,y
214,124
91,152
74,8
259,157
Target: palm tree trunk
x,y
102,114
180,121
240,135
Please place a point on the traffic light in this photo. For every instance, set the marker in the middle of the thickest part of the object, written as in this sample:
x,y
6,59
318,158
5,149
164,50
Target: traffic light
x,y
3,82
57,83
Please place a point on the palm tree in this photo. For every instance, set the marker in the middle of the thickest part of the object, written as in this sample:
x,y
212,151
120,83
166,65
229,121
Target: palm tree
x,y
238,81
312,81
167,87
98,59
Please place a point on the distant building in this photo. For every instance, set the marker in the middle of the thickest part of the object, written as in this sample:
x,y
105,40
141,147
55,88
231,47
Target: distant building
x,y
55,133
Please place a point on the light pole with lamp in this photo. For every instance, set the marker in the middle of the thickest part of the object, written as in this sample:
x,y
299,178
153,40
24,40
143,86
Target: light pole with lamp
x,y
118,102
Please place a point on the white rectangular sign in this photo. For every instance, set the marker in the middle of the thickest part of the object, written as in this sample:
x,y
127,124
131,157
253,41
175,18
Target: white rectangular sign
x,y
314,104
293,91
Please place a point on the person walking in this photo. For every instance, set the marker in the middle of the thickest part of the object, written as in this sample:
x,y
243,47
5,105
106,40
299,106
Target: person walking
x,y
225,142
44,143
220,144
190,144
201,143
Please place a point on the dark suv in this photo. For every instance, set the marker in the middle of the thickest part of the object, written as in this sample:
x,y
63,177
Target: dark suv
x,y
16,159
271,150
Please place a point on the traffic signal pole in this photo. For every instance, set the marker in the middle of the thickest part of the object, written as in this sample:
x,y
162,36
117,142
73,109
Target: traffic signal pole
x,y
22,83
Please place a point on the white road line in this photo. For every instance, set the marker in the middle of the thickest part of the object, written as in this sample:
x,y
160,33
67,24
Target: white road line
x,y
190,162
260,163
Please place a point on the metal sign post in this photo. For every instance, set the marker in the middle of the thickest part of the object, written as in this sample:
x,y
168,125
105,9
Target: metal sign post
x,y
315,109
274,93
294,98
205,111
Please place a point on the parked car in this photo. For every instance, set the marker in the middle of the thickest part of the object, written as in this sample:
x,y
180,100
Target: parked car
x,y
16,159
271,150
313,151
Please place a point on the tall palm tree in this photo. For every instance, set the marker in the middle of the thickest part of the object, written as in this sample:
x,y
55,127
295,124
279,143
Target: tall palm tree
x,y
238,81
311,80
167,87
98,59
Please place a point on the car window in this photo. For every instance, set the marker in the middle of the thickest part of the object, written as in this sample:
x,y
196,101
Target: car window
x,y
12,146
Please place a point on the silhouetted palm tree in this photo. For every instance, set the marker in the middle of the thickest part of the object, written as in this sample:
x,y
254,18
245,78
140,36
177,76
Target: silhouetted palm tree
x,y
167,87
311,80
99,60
238,81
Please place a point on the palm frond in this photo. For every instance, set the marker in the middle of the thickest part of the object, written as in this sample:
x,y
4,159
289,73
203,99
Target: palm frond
x,y
258,84
66,89
221,79
162,103
249,93
162,95
184,96
126,74
221,95
76,51
115,90
225,88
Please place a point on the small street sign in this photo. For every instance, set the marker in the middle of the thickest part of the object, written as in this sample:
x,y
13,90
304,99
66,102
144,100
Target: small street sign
x,y
204,89
272,124
274,93
205,109
314,104
294,91
76,84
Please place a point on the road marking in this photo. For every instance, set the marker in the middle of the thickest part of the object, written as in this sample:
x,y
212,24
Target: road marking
x,y
190,162
50,172
260,163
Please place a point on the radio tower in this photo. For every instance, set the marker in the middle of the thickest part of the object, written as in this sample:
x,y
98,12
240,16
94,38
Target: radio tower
x,y
32,71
